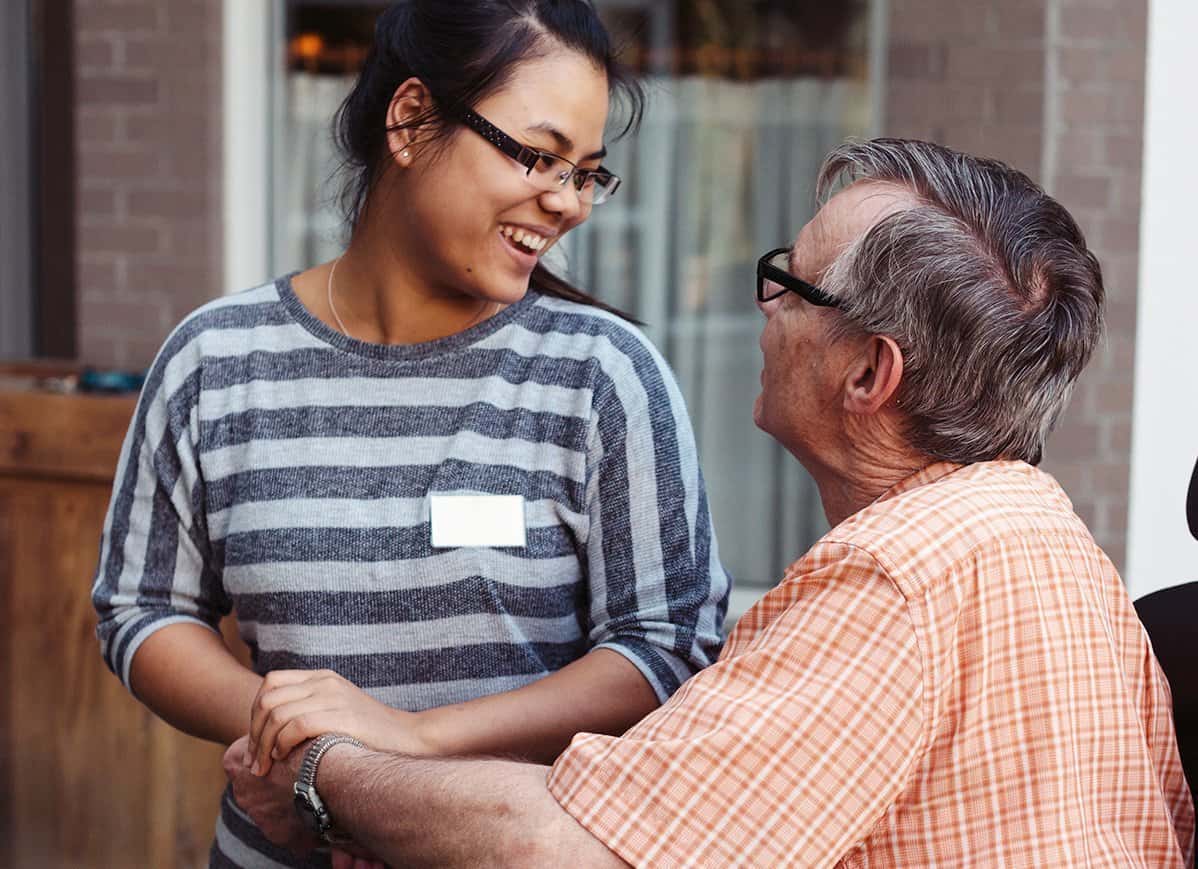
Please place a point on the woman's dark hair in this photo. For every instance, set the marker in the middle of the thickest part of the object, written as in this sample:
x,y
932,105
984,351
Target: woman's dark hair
x,y
464,51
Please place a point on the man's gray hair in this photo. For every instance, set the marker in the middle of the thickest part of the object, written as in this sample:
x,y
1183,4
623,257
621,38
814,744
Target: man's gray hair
x,y
987,286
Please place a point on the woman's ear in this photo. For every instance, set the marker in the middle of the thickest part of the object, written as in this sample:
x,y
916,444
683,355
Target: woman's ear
x,y
410,103
875,375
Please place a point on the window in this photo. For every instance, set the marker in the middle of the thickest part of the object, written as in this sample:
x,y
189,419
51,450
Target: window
x,y
37,211
745,99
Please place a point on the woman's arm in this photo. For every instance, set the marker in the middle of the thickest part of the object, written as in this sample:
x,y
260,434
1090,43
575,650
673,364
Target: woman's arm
x,y
158,596
602,692
188,677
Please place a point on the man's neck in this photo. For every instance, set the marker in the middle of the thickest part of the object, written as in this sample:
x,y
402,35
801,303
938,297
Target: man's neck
x,y
868,465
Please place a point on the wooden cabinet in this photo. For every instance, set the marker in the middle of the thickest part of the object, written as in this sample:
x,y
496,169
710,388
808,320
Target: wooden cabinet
x,y
88,777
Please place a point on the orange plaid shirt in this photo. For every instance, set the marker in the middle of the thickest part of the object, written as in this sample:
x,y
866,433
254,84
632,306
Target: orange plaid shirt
x,y
952,676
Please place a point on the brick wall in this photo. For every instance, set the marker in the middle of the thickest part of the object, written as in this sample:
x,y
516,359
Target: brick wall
x,y
1055,88
1093,165
149,171
970,76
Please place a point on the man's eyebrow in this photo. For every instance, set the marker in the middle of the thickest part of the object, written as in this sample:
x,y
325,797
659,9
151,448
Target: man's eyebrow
x,y
564,142
790,260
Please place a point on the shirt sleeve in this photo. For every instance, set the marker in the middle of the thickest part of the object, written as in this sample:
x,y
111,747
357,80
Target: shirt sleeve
x,y
154,569
658,593
785,753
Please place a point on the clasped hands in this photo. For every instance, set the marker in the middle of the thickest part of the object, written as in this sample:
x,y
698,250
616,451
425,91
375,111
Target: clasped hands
x,y
291,708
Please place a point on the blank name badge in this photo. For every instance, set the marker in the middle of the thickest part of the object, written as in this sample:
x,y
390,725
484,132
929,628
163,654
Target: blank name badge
x,y
477,520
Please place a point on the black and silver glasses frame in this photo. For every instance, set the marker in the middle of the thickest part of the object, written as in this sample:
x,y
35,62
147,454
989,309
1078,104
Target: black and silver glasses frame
x,y
602,182
773,268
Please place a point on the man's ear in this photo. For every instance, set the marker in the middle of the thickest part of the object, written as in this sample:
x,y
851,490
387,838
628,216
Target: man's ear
x,y
409,103
874,376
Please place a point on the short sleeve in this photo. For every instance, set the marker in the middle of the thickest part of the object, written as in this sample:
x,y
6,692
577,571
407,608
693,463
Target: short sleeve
x,y
786,752
153,569
658,592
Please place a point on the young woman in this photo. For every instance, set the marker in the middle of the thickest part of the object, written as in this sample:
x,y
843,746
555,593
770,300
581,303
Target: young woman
x,y
301,450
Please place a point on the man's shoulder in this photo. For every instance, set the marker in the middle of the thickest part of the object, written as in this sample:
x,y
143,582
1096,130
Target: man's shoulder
x,y
947,515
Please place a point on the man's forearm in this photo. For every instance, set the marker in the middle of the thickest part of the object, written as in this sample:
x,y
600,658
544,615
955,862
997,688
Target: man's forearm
x,y
438,812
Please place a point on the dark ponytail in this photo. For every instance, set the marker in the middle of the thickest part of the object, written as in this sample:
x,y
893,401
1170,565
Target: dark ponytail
x,y
464,51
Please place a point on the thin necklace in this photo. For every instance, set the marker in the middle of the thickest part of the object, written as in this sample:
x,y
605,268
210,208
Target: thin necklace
x,y
341,323
333,307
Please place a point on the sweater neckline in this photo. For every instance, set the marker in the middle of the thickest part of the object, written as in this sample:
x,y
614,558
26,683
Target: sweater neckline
x,y
396,352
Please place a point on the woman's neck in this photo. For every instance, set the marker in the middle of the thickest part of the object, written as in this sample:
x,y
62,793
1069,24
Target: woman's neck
x,y
374,292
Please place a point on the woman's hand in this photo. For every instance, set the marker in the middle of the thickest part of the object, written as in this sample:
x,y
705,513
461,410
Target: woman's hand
x,y
296,705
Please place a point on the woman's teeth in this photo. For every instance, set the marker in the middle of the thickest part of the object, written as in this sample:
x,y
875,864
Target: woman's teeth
x,y
528,240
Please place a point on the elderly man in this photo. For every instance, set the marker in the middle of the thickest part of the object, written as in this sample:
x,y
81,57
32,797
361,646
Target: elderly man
x,y
953,675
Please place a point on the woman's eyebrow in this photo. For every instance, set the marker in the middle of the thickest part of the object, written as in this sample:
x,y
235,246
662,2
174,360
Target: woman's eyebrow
x,y
564,142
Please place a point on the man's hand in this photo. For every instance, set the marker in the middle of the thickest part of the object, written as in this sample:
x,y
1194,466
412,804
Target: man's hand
x,y
270,800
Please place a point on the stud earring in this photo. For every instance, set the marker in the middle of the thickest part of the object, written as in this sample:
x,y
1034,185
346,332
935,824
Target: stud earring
x,y
406,155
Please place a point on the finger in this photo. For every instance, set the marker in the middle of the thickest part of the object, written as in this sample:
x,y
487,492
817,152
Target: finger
x,y
341,860
305,717
271,723
265,706
233,760
274,680
309,725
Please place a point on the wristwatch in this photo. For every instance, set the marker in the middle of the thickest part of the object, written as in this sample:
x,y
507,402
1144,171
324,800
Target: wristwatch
x,y
308,804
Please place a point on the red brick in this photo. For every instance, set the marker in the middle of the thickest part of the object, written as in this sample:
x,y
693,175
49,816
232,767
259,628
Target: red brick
x,y
1105,104
97,274
170,277
1121,274
924,61
1117,437
1124,149
1080,149
1082,63
1120,234
1072,475
114,238
97,203
133,17
1076,436
117,90
1019,19
936,19
95,53
1005,65
139,165
93,127
1083,190
1022,106
1114,398
169,203
1101,23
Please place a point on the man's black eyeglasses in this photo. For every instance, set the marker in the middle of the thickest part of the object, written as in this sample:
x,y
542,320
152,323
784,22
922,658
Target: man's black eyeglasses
x,y
546,170
774,268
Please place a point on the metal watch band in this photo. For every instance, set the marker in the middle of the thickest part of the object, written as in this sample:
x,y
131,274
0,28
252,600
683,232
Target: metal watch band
x,y
316,751
305,783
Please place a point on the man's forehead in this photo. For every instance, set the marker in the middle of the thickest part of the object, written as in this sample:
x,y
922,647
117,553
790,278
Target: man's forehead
x,y
850,214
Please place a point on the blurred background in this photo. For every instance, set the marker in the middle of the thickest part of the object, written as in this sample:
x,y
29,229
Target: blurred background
x,y
159,153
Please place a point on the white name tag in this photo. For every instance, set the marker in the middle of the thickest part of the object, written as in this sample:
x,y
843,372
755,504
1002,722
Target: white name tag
x,y
477,520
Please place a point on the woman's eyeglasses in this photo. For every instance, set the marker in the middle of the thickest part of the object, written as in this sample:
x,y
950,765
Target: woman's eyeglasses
x,y
546,170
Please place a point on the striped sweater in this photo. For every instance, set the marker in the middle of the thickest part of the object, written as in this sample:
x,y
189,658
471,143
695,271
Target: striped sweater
x,y
280,469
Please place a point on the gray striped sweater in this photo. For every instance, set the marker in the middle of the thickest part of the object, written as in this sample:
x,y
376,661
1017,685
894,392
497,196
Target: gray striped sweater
x,y
280,469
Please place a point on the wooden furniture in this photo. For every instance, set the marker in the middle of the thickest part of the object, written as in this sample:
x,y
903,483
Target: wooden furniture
x,y
88,777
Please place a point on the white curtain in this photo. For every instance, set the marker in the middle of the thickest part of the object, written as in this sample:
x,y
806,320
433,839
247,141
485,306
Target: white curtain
x,y
719,173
